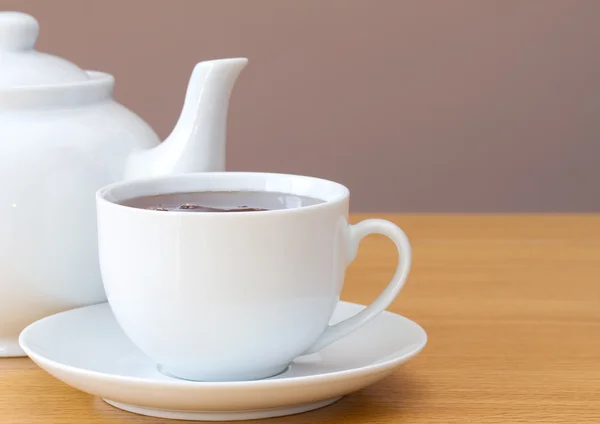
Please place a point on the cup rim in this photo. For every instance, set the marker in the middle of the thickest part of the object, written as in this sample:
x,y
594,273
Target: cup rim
x,y
337,192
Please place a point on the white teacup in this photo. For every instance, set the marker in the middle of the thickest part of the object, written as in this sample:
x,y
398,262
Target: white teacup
x,y
234,296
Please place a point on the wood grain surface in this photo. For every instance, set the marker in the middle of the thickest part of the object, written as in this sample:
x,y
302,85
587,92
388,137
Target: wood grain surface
x,y
512,308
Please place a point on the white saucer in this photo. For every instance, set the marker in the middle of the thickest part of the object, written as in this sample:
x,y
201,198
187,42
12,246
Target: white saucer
x,y
86,349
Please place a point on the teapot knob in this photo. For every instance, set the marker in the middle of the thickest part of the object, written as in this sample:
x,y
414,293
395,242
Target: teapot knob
x,y
18,31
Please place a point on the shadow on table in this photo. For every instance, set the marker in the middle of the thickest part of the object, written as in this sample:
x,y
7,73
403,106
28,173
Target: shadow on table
x,y
392,396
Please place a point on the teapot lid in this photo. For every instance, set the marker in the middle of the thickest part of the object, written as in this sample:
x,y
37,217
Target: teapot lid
x,y
21,65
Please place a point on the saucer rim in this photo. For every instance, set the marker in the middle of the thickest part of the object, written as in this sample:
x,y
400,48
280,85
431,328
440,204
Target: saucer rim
x,y
265,383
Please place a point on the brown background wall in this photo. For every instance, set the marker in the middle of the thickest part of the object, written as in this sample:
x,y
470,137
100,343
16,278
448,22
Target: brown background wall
x,y
416,105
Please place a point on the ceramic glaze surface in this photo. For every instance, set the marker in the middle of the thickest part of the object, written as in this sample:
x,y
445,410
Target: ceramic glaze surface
x,y
63,137
234,296
53,161
95,356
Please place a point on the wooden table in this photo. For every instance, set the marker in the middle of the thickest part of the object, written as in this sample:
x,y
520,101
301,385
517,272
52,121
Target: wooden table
x,y
512,308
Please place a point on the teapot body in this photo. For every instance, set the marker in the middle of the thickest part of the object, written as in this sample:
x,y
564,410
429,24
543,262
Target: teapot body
x,y
53,158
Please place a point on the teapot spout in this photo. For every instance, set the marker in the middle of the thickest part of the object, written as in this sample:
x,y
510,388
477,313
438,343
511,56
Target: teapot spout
x,y
197,143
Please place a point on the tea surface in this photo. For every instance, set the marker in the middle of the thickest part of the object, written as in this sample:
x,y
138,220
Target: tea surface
x,y
221,201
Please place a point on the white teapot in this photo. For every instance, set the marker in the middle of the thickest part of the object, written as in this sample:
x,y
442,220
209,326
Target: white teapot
x,y
62,136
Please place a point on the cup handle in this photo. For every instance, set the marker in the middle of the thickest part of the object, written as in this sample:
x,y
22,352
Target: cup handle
x,y
357,233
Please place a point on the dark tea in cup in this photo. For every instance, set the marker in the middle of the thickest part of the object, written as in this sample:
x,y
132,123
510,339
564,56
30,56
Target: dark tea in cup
x,y
221,201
